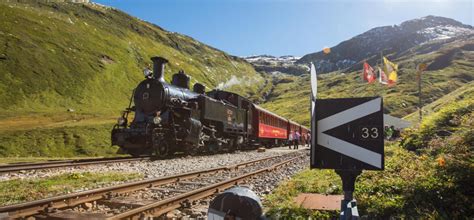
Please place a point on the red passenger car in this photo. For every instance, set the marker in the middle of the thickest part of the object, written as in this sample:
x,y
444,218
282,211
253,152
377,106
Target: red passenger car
x,y
271,128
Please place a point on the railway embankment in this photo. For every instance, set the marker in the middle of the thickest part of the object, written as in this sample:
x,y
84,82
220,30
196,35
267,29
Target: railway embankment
x,y
160,195
60,180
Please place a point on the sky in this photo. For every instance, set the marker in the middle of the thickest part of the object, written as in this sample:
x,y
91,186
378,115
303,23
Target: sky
x,y
284,27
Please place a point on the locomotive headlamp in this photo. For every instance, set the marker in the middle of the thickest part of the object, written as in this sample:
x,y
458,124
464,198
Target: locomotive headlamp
x,y
121,121
156,120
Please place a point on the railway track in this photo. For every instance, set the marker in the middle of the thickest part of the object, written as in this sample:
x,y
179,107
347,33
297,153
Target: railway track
x,y
146,198
65,163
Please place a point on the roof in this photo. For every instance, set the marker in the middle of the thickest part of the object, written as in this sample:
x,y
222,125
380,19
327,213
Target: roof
x,y
268,112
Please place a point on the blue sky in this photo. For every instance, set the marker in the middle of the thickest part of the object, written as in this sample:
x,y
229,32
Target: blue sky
x,y
284,27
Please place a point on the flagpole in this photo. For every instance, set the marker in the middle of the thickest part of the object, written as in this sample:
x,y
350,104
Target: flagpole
x,y
420,68
381,68
420,104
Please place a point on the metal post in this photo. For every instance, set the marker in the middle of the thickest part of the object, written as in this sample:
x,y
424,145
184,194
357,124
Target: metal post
x,y
348,204
420,104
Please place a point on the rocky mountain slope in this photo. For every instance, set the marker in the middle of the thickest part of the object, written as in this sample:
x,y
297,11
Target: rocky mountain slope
x,y
450,66
394,41
271,64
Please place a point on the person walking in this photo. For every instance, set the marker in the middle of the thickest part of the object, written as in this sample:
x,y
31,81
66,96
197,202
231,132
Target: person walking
x,y
297,140
290,139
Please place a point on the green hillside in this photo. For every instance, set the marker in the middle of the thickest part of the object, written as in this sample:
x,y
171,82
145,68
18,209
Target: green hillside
x,y
68,69
464,92
449,68
87,59
55,56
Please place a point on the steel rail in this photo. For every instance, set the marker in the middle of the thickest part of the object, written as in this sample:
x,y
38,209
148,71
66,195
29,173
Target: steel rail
x,y
26,209
66,163
162,207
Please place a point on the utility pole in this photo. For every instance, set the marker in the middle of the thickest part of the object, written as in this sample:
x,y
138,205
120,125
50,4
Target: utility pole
x,y
420,68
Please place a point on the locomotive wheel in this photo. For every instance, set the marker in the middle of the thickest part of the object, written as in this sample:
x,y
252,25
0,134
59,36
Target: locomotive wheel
x,y
161,148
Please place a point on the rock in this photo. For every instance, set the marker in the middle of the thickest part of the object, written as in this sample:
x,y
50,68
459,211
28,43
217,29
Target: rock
x,y
88,205
195,215
170,215
261,149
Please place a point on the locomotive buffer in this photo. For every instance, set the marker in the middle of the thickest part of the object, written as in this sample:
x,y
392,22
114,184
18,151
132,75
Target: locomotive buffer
x,y
347,137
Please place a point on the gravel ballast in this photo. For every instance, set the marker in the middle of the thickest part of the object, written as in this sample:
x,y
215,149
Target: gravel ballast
x,y
154,168
262,185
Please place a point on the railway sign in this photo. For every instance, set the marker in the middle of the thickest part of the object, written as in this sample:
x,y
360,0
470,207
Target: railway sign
x,y
349,134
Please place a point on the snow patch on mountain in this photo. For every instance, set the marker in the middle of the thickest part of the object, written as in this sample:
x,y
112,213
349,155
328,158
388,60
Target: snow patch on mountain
x,y
444,32
272,59
277,65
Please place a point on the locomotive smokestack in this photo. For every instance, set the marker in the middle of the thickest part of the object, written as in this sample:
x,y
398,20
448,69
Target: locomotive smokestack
x,y
159,68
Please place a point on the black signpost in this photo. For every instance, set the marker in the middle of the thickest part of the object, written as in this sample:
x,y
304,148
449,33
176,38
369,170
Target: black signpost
x,y
347,136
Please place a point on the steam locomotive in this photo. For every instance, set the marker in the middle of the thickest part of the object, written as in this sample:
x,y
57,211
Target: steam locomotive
x,y
170,118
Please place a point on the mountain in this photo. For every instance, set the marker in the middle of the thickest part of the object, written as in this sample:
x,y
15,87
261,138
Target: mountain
x,y
394,41
450,68
87,57
272,64
67,70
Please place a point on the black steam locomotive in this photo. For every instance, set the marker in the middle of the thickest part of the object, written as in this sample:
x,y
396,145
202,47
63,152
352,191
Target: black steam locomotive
x,y
170,118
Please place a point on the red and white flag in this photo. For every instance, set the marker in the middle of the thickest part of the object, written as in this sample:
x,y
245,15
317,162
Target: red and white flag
x,y
383,79
369,73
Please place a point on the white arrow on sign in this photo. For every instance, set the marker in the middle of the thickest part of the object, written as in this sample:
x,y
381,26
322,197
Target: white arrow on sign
x,y
314,87
314,91
344,147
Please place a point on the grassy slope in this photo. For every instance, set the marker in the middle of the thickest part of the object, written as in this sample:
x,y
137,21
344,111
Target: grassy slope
x,y
427,176
56,56
16,191
88,58
291,98
464,92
